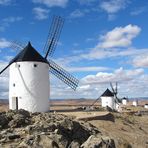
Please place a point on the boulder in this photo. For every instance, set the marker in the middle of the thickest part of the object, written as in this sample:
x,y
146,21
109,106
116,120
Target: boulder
x,y
3,121
74,130
98,141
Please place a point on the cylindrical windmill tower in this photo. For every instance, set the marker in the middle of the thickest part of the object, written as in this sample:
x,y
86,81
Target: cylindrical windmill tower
x,y
107,99
29,81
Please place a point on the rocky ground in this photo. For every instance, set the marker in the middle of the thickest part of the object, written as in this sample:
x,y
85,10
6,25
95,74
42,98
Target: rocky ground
x,y
22,129
48,130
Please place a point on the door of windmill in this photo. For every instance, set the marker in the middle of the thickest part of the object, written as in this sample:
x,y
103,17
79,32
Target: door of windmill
x,y
15,103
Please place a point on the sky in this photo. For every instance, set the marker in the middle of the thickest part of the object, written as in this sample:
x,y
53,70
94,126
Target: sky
x,y
102,41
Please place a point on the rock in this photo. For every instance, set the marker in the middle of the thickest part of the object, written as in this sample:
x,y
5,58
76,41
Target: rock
x,y
13,136
39,141
24,113
73,130
74,144
3,121
46,142
14,118
98,142
18,120
38,130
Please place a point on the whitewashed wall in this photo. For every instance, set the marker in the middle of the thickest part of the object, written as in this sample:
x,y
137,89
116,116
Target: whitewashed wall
x,y
31,85
108,101
135,103
124,102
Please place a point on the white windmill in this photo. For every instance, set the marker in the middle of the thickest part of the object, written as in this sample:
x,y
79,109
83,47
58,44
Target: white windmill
x,y
29,74
109,98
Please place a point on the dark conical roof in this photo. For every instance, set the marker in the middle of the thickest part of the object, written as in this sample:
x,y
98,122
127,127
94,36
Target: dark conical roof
x,y
124,98
107,93
28,54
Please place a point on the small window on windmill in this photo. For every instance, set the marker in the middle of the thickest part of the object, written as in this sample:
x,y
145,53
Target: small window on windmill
x,y
13,84
17,65
35,65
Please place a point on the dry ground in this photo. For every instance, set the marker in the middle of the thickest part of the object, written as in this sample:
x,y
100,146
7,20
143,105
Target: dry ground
x,y
126,127
3,107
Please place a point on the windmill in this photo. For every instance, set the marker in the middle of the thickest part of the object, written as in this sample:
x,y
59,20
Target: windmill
x,y
109,98
115,92
29,73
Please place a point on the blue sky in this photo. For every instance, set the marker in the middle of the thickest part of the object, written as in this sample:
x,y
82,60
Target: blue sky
x,y
102,41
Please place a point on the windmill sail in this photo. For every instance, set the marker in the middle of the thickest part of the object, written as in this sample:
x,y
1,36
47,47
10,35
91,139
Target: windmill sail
x,y
17,45
53,36
63,75
4,69
115,91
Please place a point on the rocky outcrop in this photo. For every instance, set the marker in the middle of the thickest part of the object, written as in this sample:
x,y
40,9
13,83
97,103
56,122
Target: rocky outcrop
x,y
43,130
14,118
97,141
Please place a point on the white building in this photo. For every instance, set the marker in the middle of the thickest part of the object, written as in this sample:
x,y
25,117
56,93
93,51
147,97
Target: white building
x,y
135,103
29,81
107,99
124,101
146,106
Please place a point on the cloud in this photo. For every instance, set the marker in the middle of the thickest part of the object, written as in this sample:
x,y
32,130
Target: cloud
x,y
119,37
12,19
111,17
111,44
66,64
40,13
119,75
113,6
86,2
85,69
98,53
90,39
5,2
141,60
132,83
4,82
77,14
4,43
52,3
9,20
138,11
114,44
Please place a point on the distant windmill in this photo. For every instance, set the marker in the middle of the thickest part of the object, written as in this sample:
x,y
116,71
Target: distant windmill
x,y
109,98
29,73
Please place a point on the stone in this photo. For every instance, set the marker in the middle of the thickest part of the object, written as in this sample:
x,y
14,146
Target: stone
x,y
18,121
74,144
46,142
38,130
13,136
98,141
24,113
3,121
